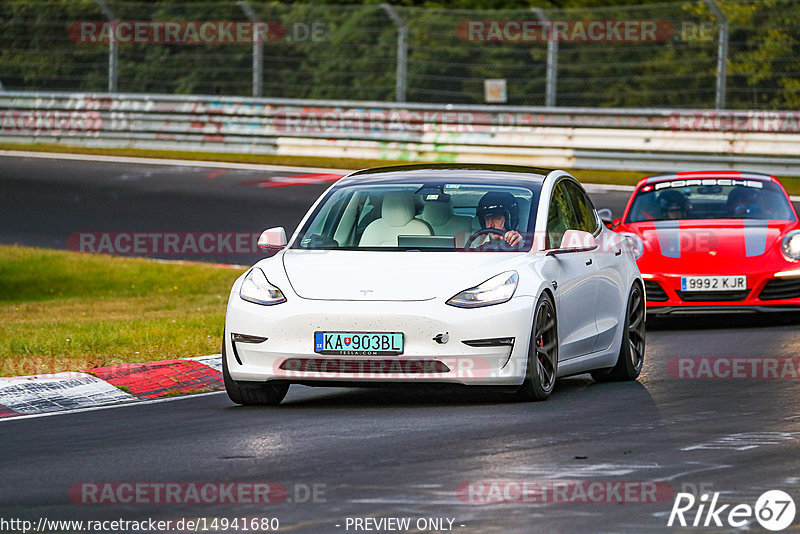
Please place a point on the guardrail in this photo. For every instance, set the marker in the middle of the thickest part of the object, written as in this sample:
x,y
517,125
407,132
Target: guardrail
x,y
636,139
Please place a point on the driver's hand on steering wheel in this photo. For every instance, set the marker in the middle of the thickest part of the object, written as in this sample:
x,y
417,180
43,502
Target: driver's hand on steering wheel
x,y
512,238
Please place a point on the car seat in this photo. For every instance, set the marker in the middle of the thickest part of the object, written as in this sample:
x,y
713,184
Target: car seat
x,y
441,217
397,218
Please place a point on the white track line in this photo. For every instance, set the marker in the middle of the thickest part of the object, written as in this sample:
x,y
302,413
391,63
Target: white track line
x,y
109,406
178,162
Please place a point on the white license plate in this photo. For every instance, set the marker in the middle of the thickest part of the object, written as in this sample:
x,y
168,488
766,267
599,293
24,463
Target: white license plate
x,y
713,283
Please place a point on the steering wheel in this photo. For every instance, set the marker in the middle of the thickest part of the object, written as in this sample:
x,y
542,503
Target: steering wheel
x,y
482,232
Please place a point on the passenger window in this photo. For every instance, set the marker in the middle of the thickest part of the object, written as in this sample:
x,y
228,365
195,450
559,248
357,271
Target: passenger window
x,y
584,209
560,216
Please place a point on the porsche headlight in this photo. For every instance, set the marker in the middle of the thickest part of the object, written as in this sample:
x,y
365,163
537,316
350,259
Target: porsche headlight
x,y
634,243
791,245
495,290
256,288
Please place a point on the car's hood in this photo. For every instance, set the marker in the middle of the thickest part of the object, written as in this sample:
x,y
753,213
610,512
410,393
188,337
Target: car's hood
x,y
718,239
390,275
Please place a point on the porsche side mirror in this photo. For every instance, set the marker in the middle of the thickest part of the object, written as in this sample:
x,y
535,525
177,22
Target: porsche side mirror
x,y
272,240
606,216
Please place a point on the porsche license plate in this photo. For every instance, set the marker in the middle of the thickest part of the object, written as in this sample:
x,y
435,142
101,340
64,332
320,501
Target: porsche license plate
x,y
359,343
713,283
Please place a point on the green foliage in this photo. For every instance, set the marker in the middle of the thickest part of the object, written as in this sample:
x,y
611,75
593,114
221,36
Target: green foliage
x,y
332,51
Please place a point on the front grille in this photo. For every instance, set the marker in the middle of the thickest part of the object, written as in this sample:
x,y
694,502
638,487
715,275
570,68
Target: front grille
x,y
781,288
655,293
712,296
334,366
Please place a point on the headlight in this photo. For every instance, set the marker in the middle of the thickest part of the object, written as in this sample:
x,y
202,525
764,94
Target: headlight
x,y
791,245
495,290
634,243
256,288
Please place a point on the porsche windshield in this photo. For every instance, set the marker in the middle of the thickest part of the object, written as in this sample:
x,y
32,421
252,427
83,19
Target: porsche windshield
x,y
431,216
712,199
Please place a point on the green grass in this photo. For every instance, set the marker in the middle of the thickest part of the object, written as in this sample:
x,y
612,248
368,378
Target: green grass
x,y
597,176
66,311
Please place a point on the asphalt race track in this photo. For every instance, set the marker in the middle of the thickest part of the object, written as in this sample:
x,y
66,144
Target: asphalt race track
x,y
343,455
45,201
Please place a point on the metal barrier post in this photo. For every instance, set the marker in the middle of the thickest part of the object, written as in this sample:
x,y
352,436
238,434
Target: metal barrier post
x,y
722,53
402,51
552,59
258,52
113,51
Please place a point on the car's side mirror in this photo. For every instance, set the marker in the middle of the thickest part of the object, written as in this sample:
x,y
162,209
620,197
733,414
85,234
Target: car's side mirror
x,y
273,239
606,216
575,241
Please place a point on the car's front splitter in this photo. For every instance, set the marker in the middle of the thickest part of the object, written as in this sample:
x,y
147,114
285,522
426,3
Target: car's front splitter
x,y
721,309
764,292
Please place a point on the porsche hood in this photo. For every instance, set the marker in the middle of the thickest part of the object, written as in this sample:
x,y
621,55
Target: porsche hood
x,y
720,240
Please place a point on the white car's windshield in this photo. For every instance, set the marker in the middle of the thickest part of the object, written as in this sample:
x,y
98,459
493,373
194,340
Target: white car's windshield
x,y
432,216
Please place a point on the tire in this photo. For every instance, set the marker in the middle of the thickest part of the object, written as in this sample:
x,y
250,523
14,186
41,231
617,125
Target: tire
x,y
542,365
631,351
252,393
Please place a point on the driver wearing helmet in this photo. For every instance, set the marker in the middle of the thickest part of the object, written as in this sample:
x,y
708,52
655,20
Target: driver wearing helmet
x,y
498,211
742,202
673,205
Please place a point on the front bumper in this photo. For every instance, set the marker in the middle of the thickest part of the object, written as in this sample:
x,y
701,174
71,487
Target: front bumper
x,y
764,293
289,328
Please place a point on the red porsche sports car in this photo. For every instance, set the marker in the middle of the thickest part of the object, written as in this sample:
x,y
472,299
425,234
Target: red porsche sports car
x,y
714,241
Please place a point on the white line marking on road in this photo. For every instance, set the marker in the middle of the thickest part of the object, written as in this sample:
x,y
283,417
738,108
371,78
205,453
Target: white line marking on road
x,y
586,471
744,441
30,395
159,161
706,467
110,406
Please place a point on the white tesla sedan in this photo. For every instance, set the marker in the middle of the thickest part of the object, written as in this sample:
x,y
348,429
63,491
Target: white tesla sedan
x,y
464,274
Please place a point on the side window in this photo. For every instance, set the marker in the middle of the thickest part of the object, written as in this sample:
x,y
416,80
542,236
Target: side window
x,y
584,209
560,216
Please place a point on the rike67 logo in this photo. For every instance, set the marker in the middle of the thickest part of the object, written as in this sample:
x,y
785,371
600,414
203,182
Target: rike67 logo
x,y
774,510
